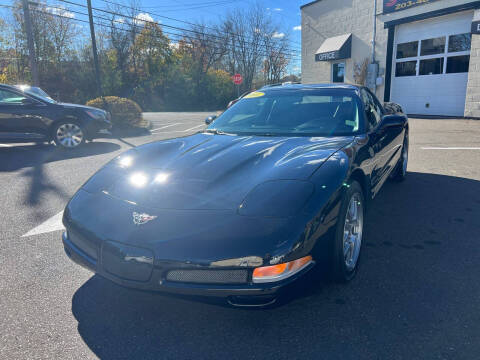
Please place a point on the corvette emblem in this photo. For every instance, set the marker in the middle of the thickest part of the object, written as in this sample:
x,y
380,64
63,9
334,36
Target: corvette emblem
x,y
140,219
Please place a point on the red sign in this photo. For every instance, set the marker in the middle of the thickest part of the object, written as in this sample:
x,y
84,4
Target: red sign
x,y
237,79
390,6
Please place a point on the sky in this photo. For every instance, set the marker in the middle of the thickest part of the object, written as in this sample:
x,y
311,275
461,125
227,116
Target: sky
x,y
285,13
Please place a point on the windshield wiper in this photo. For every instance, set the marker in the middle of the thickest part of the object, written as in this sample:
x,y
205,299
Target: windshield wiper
x,y
216,132
267,134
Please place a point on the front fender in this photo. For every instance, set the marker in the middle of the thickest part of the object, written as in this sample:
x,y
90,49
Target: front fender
x,y
329,179
320,214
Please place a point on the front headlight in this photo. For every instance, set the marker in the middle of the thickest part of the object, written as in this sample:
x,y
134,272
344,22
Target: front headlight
x,y
97,114
280,271
277,198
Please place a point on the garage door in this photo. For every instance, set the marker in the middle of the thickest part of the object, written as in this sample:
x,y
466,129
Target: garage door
x,y
430,69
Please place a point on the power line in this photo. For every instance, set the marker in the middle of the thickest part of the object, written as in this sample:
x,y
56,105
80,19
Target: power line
x,y
208,3
153,22
179,36
165,25
167,17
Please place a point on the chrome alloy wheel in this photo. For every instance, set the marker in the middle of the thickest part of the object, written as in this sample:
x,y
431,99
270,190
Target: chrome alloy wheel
x,y
69,135
352,232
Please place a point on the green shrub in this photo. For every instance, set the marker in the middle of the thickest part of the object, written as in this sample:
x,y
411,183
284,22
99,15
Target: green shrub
x,y
125,112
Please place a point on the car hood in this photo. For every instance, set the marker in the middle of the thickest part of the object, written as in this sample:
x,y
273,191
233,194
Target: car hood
x,y
206,171
77,106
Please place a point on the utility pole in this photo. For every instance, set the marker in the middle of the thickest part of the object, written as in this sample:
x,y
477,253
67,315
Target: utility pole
x,y
372,70
374,30
94,48
31,45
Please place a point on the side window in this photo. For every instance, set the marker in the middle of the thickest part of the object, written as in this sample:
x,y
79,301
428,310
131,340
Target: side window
x,y
373,112
10,98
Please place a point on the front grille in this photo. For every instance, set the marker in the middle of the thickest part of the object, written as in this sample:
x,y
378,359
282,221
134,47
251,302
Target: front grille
x,y
208,276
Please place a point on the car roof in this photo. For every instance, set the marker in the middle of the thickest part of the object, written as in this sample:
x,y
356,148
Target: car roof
x,y
8,86
313,86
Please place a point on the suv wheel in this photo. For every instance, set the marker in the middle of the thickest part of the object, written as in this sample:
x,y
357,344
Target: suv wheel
x,y
68,135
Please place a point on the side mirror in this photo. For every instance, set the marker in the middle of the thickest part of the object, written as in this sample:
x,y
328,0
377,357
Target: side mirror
x,y
210,119
393,121
392,108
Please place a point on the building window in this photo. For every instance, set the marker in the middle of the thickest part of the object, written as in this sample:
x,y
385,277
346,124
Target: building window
x,y
406,68
407,50
433,46
338,72
461,42
458,64
431,66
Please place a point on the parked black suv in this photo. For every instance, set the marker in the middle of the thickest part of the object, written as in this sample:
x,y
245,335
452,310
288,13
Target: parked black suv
x,y
28,114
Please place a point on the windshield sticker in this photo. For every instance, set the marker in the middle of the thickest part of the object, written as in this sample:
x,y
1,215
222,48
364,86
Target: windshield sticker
x,y
254,94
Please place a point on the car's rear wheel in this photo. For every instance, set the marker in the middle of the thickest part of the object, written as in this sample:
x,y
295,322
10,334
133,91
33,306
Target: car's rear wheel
x,y
400,172
68,135
349,234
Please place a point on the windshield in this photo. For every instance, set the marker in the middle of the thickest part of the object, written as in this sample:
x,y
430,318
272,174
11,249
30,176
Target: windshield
x,y
36,91
323,112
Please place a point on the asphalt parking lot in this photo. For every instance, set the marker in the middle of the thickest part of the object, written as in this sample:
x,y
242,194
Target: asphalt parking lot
x,y
417,295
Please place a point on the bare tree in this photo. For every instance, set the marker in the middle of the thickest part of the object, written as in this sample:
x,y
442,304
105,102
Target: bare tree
x,y
256,45
275,59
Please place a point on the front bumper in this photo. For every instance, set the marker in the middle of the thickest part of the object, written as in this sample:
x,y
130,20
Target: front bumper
x,y
247,294
98,128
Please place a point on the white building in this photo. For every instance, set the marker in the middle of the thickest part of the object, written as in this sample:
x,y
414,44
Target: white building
x,y
427,51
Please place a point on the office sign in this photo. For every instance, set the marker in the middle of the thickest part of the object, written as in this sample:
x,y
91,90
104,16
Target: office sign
x,y
332,55
391,6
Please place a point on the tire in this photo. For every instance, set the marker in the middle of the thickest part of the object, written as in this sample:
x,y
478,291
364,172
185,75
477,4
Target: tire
x,y
400,172
68,135
347,242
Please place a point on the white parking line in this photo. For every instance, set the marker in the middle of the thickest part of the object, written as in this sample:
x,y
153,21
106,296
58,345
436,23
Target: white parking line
x,y
450,148
52,224
5,145
195,127
180,131
166,126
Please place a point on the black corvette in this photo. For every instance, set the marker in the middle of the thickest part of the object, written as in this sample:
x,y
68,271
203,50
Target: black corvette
x,y
277,184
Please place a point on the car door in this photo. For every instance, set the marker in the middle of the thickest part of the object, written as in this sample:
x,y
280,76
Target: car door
x,y
21,117
379,141
393,137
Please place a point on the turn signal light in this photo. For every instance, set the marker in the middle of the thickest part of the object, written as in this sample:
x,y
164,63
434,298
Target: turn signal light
x,y
280,271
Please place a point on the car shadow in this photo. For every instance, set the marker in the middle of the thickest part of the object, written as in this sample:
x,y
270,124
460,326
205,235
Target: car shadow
x,y
417,282
33,158
128,132
22,156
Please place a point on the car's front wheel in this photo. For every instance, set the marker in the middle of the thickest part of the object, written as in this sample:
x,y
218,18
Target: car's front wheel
x,y
68,135
348,236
